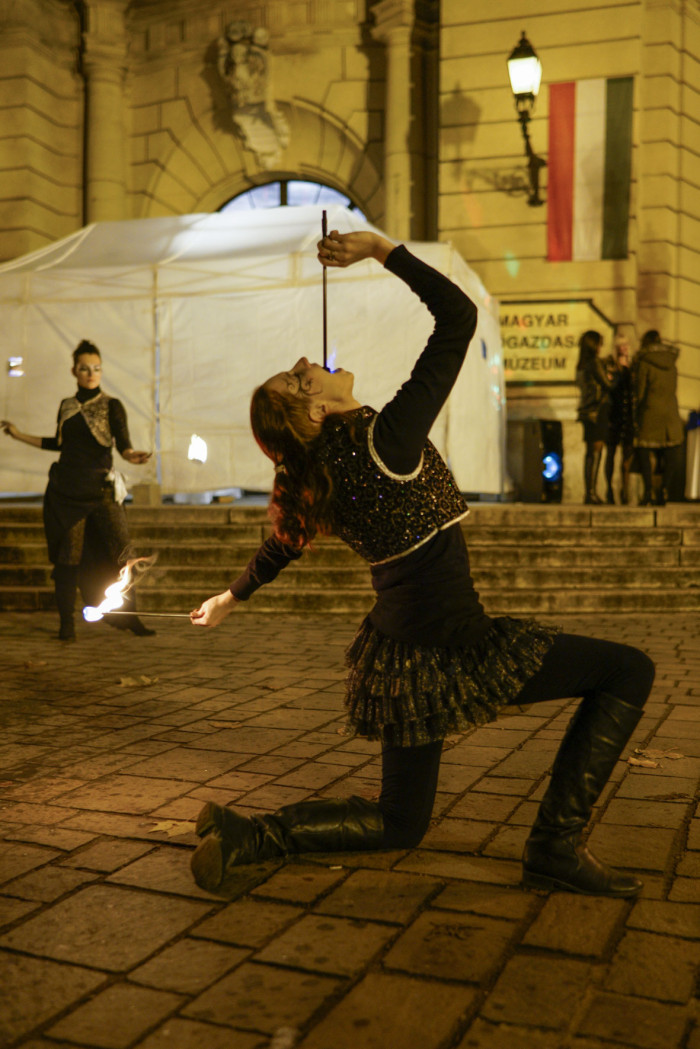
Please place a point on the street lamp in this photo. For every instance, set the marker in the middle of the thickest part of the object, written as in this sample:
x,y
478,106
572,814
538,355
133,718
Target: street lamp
x,y
525,73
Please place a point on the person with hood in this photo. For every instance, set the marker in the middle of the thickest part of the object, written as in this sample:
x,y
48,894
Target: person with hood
x,y
659,425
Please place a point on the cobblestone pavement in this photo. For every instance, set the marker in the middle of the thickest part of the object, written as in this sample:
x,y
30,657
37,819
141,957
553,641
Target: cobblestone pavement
x,y
106,942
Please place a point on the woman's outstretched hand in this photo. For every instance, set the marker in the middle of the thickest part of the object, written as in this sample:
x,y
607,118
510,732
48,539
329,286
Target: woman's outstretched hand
x,y
342,249
9,428
132,456
214,610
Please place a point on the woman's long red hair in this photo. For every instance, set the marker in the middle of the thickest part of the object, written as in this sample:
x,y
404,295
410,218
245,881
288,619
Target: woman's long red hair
x,y
301,504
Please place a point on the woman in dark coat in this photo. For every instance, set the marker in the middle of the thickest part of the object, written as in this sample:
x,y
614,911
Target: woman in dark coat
x,y
84,517
595,379
621,426
659,425
428,660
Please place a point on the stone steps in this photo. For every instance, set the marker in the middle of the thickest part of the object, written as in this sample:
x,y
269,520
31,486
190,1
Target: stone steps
x,y
526,560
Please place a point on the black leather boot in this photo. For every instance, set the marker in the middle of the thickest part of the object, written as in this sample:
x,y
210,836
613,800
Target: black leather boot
x,y
591,467
328,825
554,857
65,580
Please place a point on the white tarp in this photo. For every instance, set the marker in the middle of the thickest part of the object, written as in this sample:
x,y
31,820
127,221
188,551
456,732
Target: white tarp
x,y
192,312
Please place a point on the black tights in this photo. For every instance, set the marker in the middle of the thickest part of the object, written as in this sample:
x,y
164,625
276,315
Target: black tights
x,y
574,666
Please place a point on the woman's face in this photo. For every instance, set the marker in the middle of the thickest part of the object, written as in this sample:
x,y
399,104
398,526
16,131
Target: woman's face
x,y
315,385
88,371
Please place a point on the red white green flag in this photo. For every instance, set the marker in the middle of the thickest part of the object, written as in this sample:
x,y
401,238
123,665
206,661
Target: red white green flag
x,y
589,169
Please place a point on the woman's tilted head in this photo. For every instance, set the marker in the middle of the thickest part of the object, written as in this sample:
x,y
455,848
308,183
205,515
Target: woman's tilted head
x,y
85,346
589,345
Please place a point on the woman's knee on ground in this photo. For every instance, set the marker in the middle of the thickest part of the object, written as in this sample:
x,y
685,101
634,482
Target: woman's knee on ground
x,y
634,676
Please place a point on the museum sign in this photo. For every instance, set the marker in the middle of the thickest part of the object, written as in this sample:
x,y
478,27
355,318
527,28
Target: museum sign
x,y
540,339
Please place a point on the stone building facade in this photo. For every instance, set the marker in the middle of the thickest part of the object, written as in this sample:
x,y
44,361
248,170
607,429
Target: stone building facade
x,y
116,109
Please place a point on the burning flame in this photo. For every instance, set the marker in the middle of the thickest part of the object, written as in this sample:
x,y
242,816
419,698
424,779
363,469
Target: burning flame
x,y
197,449
116,592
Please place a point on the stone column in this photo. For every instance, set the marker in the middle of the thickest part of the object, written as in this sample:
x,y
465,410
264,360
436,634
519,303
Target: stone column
x,y
394,20
104,68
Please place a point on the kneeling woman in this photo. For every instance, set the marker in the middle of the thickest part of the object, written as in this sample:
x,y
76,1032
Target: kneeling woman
x,y
427,661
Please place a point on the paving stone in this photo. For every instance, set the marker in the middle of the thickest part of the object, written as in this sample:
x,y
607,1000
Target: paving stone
x,y
458,835
685,889
653,966
414,1014
263,998
42,815
16,860
476,805
185,763
625,812
128,1010
56,837
379,896
485,1035
650,849
576,924
47,884
322,943
299,883
470,868
489,900
532,992
675,919
163,870
636,1022
186,1034
105,926
248,923
33,990
137,794
658,788
189,966
107,856
507,843
452,946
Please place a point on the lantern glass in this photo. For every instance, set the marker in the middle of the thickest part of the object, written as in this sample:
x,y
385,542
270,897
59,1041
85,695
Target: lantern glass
x,y
525,75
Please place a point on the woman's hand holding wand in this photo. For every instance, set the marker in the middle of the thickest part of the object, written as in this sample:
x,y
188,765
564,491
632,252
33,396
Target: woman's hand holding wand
x,y
342,249
214,610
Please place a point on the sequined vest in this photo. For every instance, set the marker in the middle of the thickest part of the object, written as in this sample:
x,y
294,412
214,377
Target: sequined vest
x,y
383,515
95,412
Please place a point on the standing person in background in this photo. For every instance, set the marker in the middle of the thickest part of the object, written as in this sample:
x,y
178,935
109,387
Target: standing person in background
x,y
659,425
427,660
621,426
595,379
84,517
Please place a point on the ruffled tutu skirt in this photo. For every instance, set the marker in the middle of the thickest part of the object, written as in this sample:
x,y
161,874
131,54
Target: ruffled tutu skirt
x,y
407,695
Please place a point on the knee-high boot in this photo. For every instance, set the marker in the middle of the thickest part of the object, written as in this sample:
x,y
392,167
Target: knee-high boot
x,y
591,467
65,579
554,857
328,825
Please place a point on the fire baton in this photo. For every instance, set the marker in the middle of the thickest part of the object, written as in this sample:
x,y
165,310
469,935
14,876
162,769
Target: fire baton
x,y
93,615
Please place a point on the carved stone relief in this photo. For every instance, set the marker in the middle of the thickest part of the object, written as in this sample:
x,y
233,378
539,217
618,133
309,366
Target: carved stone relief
x,y
244,64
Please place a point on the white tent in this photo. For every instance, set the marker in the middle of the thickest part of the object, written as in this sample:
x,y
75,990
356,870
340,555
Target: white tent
x,y
192,312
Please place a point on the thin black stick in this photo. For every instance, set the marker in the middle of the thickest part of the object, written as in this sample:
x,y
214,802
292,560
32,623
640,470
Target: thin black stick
x,y
324,231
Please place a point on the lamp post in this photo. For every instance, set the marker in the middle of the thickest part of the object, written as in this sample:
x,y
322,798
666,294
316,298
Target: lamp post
x,y
525,74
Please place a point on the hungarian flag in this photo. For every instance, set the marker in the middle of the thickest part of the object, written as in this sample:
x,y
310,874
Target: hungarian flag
x,y
589,165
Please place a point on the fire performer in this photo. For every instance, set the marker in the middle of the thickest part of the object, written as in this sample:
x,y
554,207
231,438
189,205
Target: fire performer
x,y
427,661
84,519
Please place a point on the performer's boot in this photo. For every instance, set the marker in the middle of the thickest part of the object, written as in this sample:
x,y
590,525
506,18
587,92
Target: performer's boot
x,y
590,468
554,857
329,825
65,579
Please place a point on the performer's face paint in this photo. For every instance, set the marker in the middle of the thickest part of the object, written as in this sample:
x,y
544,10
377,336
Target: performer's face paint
x,y
88,371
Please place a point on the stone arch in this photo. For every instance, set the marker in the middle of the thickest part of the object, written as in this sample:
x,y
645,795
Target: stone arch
x,y
202,166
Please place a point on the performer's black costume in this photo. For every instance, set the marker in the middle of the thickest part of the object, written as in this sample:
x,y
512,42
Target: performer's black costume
x,y
428,661
84,516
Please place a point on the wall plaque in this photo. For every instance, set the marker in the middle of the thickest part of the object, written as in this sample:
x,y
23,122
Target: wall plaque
x,y
540,339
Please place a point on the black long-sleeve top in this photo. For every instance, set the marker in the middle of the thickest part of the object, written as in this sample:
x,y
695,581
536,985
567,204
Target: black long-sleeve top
x,y
79,449
427,596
